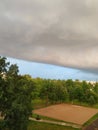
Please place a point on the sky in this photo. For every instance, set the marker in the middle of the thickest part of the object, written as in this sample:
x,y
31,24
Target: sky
x,y
48,71
57,32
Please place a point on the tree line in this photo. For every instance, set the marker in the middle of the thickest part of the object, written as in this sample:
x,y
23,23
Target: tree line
x,y
59,91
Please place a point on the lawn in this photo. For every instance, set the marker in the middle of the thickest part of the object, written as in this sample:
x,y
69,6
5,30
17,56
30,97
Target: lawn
x,y
45,126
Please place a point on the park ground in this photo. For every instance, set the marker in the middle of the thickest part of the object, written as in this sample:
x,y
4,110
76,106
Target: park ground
x,y
67,112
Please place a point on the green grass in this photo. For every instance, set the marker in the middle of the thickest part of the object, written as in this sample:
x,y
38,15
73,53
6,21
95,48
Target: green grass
x,y
91,120
45,126
76,102
33,125
38,103
96,106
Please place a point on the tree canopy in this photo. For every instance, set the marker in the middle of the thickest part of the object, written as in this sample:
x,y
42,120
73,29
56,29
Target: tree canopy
x,y
15,96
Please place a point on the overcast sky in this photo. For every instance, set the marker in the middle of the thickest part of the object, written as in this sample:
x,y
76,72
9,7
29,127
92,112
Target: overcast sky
x,y
60,32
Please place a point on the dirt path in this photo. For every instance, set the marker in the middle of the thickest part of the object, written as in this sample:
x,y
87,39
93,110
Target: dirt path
x,y
57,123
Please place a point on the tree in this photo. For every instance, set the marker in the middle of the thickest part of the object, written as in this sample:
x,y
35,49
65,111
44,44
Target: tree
x,y
15,97
92,100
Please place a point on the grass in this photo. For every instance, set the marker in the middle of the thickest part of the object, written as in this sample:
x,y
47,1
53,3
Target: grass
x,y
96,106
38,103
33,125
75,102
91,120
46,118
51,119
45,126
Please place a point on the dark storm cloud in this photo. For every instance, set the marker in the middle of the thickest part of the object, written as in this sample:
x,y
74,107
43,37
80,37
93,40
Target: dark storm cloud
x,y
62,32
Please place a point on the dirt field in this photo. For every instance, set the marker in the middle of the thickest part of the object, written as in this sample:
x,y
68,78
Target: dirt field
x,y
69,113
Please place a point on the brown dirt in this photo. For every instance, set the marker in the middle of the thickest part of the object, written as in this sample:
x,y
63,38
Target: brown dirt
x,y
69,113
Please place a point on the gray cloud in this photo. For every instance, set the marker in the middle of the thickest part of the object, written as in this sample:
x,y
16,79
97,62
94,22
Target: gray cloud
x,y
62,32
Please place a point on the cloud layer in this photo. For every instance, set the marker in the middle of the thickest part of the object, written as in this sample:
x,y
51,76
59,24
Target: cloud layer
x,y
62,32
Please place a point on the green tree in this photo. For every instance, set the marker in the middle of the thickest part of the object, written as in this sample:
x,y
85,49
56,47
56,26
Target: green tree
x,y
91,100
15,97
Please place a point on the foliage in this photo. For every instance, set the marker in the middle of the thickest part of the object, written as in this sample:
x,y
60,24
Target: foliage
x,y
15,96
58,91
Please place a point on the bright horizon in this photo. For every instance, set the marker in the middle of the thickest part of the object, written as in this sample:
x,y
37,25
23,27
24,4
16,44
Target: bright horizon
x,y
49,71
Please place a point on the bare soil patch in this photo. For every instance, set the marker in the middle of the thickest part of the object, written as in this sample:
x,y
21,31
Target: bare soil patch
x,y
69,113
